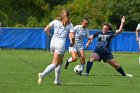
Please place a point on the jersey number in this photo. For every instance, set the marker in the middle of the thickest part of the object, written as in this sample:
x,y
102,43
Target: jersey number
x,y
60,30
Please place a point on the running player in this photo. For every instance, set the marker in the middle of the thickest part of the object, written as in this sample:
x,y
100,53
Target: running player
x,y
103,51
137,34
137,37
76,51
57,46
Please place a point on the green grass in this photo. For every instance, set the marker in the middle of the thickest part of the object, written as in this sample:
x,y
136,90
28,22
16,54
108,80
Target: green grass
x,y
19,68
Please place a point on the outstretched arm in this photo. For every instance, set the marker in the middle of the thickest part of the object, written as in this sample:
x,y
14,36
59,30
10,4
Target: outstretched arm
x,y
89,41
137,35
121,26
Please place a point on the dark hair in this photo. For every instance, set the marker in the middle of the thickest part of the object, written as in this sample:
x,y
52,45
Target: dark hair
x,y
85,19
108,25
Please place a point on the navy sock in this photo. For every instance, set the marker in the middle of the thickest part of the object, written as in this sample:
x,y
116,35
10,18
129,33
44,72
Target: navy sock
x,y
121,71
89,65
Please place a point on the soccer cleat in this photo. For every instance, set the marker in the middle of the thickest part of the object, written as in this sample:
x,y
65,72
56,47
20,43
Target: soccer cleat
x,y
84,74
129,75
57,82
66,64
39,79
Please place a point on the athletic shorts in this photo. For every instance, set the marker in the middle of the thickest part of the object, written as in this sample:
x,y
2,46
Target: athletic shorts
x,y
104,55
76,48
57,46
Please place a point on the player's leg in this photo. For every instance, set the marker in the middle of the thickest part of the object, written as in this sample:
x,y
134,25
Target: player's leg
x,y
139,49
58,70
94,57
57,74
81,55
73,57
49,68
114,64
58,60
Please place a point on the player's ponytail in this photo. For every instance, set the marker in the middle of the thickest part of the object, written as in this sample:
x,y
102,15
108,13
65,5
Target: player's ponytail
x,y
65,17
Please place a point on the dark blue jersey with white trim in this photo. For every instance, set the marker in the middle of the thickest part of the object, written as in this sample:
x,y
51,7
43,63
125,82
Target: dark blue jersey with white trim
x,y
104,40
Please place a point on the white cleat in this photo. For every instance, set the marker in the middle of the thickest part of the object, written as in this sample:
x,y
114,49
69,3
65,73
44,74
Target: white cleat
x,y
84,74
39,78
129,75
57,82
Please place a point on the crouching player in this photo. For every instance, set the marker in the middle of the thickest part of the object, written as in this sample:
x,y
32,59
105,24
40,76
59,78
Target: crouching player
x,y
103,51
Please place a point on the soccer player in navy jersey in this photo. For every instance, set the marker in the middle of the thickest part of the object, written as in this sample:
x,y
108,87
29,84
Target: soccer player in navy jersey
x,y
102,50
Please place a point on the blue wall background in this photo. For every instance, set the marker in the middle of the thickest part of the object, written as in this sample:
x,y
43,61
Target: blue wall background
x,y
36,38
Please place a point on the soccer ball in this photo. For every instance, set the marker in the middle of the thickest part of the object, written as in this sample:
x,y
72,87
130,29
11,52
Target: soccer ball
x,y
78,69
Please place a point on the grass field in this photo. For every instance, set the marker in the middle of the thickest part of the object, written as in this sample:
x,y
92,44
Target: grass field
x,y
19,68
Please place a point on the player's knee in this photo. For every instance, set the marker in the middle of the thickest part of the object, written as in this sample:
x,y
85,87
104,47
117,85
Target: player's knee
x,y
116,66
91,60
74,59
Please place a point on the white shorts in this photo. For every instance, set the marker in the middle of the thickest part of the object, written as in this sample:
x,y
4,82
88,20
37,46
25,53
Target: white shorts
x,y
76,48
58,47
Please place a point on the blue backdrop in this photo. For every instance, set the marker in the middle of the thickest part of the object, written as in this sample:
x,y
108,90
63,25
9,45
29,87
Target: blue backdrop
x,y
35,38
22,38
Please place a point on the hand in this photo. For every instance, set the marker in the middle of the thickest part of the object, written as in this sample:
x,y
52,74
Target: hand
x,y
71,44
86,46
123,19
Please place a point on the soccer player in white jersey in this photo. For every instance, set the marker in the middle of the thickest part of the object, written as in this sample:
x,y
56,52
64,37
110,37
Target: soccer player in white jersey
x,y
77,50
137,37
57,46
137,34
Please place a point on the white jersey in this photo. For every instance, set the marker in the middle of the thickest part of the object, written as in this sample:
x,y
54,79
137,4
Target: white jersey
x,y
60,31
80,34
59,37
138,27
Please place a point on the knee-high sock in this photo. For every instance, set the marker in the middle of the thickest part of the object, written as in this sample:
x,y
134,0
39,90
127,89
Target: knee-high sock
x,y
121,71
70,60
48,69
88,67
58,72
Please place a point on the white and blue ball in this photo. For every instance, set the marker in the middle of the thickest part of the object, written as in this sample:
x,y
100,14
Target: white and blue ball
x,y
78,69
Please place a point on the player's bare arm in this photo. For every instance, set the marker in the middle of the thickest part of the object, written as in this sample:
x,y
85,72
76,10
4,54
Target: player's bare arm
x,y
121,26
47,30
137,37
72,38
88,42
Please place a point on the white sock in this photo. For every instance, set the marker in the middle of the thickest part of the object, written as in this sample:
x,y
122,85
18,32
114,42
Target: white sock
x,y
83,66
48,69
70,60
57,72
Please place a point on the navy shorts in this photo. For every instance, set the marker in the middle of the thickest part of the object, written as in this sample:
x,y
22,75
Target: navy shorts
x,y
104,55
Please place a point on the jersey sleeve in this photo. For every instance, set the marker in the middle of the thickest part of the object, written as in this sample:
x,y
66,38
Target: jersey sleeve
x,y
96,34
138,27
76,28
113,34
51,24
71,28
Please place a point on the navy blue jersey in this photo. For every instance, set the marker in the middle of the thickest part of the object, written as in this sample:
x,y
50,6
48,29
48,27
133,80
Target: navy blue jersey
x,y
104,40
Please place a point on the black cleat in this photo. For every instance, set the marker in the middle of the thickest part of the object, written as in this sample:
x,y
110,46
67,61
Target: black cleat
x,y
66,64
